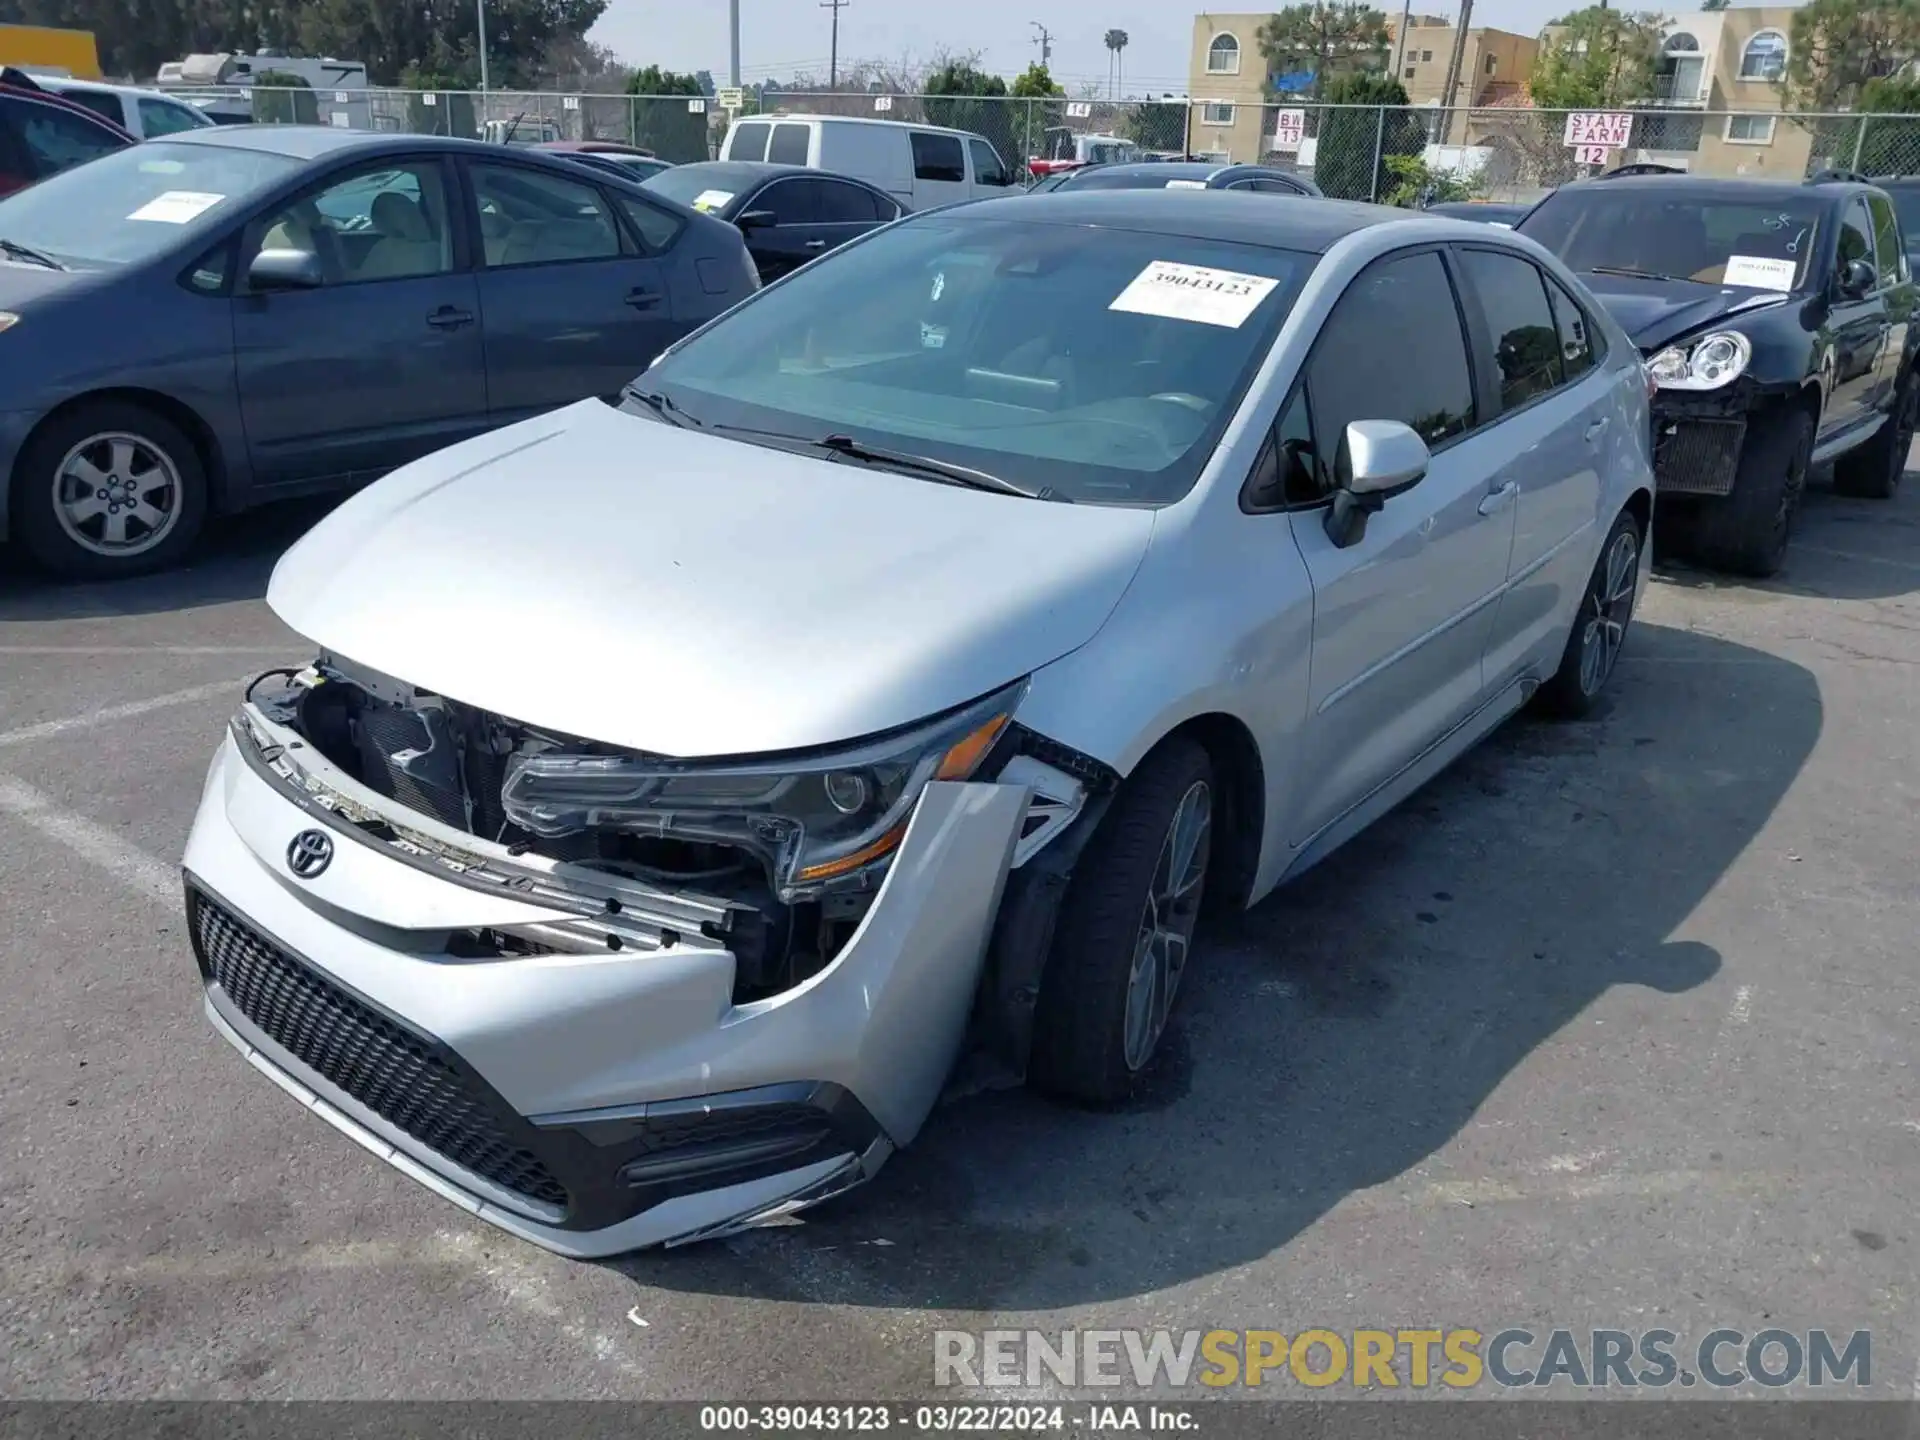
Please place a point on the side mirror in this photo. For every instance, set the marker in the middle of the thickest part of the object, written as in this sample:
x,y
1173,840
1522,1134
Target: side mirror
x,y
1384,457
756,220
1859,278
286,270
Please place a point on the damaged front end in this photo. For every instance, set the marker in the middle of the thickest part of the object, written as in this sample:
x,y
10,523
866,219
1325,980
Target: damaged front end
x,y
662,999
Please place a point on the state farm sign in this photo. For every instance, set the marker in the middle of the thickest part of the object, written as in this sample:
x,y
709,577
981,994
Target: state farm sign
x,y
1599,129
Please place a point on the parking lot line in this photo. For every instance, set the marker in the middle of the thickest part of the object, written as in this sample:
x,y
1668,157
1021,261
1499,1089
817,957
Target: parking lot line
x,y
91,841
46,729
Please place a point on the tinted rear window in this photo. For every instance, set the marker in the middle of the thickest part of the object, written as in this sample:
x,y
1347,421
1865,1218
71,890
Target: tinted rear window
x,y
749,142
789,145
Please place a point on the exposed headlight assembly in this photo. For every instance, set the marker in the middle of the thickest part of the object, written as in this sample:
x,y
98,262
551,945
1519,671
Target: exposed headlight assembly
x,y
1707,364
819,822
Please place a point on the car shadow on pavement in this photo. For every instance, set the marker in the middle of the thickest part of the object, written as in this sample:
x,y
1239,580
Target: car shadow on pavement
x,y
1348,1028
1842,549
231,562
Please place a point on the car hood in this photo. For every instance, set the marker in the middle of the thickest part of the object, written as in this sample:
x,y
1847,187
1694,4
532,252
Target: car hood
x,y
23,284
1655,313
618,579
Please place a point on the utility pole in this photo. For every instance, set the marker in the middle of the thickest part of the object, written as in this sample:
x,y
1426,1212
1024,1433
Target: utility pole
x,y
733,35
833,50
1453,72
480,18
1400,56
1044,39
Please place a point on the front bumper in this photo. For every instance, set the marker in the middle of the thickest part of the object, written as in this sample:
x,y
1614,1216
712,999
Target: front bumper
x,y
593,1103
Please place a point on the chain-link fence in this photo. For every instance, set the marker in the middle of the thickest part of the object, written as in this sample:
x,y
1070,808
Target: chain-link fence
x,y
1395,154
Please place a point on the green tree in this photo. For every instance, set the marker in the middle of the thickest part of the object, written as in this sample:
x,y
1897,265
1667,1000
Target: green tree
x,y
1596,58
963,97
1032,121
1356,144
1838,46
1157,124
283,99
661,120
1414,181
1330,40
441,106
1885,146
1713,5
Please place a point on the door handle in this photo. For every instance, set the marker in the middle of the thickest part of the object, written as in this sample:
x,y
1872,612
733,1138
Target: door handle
x,y
1500,499
1594,430
641,298
815,245
449,318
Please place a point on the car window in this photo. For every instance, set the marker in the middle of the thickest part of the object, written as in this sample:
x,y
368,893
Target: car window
x,y
656,228
1906,204
789,145
749,141
938,157
1526,342
1305,481
1764,245
844,204
163,117
1277,187
1886,235
57,139
102,102
132,204
528,217
1397,319
386,222
790,202
1103,364
987,167
1856,235
1577,355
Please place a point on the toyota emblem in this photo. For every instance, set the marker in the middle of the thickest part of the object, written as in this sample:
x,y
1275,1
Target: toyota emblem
x,y
309,854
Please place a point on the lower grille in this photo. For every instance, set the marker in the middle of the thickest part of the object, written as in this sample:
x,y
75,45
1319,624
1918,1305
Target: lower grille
x,y
1696,457
404,1078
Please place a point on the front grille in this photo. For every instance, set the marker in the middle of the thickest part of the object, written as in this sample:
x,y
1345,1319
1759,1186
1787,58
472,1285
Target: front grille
x,y
705,1125
404,1078
1696,457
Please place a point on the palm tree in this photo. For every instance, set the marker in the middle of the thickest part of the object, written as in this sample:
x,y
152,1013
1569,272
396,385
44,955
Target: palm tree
x,y
1116,42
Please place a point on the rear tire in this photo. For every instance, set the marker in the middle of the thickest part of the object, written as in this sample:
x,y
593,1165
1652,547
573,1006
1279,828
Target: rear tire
x,y
1746,532
1110,984
107,490
1599,625
1873,472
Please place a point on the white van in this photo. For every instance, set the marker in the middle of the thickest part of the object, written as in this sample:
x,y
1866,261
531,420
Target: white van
x,y
923,165
143,114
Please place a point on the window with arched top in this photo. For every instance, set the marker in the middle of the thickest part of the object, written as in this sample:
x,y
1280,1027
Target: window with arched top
x,y
1765,57
1223,55
1681,43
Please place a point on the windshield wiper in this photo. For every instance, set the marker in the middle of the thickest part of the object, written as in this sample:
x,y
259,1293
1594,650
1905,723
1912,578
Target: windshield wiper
x,y
17,251
1631,273
662,406
937,469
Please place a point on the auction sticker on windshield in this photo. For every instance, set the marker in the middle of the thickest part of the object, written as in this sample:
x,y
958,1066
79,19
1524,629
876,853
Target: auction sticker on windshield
x,y
1760,271
711,199
1195,293
1186,185
177,207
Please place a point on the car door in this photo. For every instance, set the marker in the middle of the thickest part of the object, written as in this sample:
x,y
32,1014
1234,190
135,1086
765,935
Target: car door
x,y
380,364
845,211
1401,618
989,170
573,306
939,169
1896,293
791,233
1856,328
1545,439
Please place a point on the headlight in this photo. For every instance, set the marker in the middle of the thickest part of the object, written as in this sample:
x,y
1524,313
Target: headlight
x,y
8,320
818,822
1712,361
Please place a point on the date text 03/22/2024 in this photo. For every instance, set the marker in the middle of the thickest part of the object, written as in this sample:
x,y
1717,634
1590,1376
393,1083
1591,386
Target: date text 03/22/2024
x,y
941,1419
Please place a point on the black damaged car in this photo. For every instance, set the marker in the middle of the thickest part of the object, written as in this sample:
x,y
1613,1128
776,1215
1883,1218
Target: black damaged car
x,y
1776,321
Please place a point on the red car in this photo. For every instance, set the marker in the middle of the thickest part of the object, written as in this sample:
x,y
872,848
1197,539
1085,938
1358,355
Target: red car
x,y
41,134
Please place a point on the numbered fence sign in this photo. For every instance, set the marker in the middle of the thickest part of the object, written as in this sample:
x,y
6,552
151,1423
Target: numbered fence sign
x,y
1289,129
1590,154
1078,109
1608,130
429,99
340,97
570,102
696,107
883,102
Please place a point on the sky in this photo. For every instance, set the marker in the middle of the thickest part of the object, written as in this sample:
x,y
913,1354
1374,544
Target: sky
x,y
781,37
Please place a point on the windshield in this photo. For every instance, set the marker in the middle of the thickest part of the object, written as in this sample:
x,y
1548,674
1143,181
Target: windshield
x,y
1099,364
132,204
702,187
1765,245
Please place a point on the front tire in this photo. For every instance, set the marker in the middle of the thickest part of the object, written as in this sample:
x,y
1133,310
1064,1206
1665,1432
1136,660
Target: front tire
x,y
1599,625
107,490
1746,532
1873,472
1125,931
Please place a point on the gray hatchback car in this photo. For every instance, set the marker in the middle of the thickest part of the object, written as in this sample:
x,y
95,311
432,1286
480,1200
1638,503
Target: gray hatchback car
x,y
217,319
915,648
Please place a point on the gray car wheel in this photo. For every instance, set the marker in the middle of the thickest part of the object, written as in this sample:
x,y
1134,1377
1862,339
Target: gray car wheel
x,y
1599,624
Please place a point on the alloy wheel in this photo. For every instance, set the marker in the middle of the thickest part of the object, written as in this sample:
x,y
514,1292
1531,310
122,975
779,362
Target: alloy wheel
x,y
1167,923
117,495
1903,422
1608,606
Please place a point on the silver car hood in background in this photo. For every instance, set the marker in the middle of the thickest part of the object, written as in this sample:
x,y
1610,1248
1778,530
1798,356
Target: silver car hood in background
x,y
610,577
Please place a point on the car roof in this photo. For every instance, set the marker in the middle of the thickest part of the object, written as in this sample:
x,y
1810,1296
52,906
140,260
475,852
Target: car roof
x,y
58,84
853,120
594,147
313,142
1712,187
1172,169
745,172
1280,222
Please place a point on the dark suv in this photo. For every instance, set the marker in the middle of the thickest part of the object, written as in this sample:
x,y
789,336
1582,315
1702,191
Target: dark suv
x,y
1776,321
41,134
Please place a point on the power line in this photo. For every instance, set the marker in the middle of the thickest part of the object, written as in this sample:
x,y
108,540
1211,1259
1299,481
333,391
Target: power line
x,y
833,55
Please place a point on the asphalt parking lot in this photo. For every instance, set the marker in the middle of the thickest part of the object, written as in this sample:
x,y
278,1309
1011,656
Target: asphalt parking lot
x,y
1611,1026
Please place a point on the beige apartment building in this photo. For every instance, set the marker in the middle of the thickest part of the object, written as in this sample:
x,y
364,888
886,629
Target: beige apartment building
x,y
1731,60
